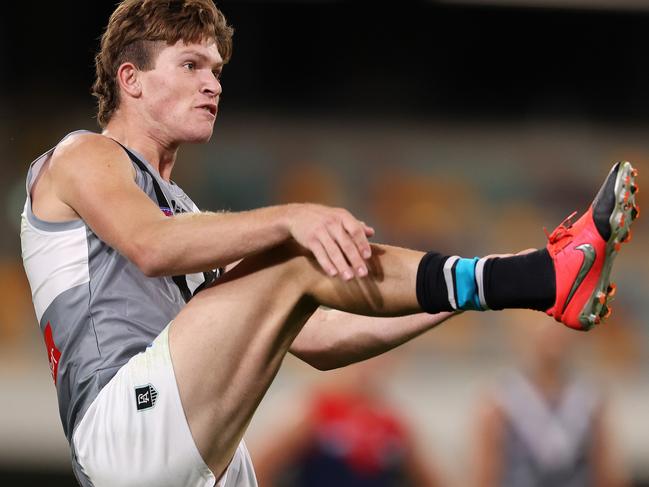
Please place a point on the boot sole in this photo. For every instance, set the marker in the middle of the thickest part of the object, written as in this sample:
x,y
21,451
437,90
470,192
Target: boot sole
x,y
625,212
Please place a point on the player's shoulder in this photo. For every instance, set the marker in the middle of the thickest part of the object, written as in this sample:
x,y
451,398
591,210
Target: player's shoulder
x,y
85,151
87,145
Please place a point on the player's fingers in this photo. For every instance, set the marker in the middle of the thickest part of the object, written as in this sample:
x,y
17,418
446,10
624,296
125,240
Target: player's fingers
x,y
522,252
336,256
323,259
526,251
351,249
491,256
356,231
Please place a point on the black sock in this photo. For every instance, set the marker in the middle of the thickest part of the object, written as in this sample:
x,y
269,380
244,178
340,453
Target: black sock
x,y
521,281
432,293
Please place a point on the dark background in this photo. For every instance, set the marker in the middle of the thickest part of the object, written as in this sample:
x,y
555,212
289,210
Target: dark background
x,y
414,58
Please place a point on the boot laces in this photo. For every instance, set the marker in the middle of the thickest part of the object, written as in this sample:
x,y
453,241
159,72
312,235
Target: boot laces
x,y
562,231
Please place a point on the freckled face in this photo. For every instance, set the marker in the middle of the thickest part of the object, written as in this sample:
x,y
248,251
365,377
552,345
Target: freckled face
x,y
180,94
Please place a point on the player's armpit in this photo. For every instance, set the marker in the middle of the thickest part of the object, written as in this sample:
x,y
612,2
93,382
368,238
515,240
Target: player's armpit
x,y
95,177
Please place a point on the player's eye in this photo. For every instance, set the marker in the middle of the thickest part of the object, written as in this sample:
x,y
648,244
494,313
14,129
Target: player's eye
x,y
190,66
217,74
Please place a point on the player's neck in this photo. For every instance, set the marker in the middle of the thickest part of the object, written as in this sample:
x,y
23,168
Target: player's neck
x,y
152,145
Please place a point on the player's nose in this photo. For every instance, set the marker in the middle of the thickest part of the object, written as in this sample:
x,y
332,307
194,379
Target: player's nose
x,y
212,86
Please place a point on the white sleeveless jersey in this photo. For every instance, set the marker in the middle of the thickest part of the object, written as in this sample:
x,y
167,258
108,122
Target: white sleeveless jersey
x,y
96,309
547,444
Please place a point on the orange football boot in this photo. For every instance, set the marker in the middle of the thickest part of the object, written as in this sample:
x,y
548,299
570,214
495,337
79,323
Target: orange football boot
x,y
583,252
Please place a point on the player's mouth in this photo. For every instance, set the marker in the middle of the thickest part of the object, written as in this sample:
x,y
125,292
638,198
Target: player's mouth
x,y
209,107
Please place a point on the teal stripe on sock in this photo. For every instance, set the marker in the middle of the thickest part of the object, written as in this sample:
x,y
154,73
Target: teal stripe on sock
x,y
465,285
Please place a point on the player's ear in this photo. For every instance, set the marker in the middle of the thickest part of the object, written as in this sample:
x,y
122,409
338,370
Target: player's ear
x,y
129,80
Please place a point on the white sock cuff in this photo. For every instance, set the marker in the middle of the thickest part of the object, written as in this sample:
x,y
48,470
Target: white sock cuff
x,y
450,281
479,279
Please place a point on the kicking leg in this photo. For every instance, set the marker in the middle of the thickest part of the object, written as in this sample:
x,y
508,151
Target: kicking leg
x,y
569,279
228,343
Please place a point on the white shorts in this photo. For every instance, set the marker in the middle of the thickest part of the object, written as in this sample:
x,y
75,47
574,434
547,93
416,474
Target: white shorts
x,y
135,432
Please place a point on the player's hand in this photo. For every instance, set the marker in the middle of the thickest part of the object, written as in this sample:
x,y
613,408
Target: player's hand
x,y
336,238
522,252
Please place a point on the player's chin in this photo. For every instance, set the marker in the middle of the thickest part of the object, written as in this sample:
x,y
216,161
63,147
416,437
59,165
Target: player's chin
x,y
199,135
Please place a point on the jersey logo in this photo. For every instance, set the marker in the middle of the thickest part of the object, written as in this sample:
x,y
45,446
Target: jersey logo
x,y
589,260
177,208
145,397
174,210
53,353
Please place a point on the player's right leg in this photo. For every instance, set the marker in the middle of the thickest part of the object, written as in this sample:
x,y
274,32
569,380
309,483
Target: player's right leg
x,y
237,333
583,282
229,341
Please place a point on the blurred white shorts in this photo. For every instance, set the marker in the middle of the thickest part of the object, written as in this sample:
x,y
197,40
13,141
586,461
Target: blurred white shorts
x,y
135,432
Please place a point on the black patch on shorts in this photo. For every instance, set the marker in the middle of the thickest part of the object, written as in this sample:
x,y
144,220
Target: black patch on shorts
x,y
145,397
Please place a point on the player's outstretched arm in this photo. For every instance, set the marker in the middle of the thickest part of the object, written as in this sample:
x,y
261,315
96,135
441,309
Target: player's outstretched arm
x,y
332,338
94,177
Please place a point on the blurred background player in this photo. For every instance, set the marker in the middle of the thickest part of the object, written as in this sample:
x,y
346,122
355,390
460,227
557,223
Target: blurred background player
x,y
346,433
544,424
